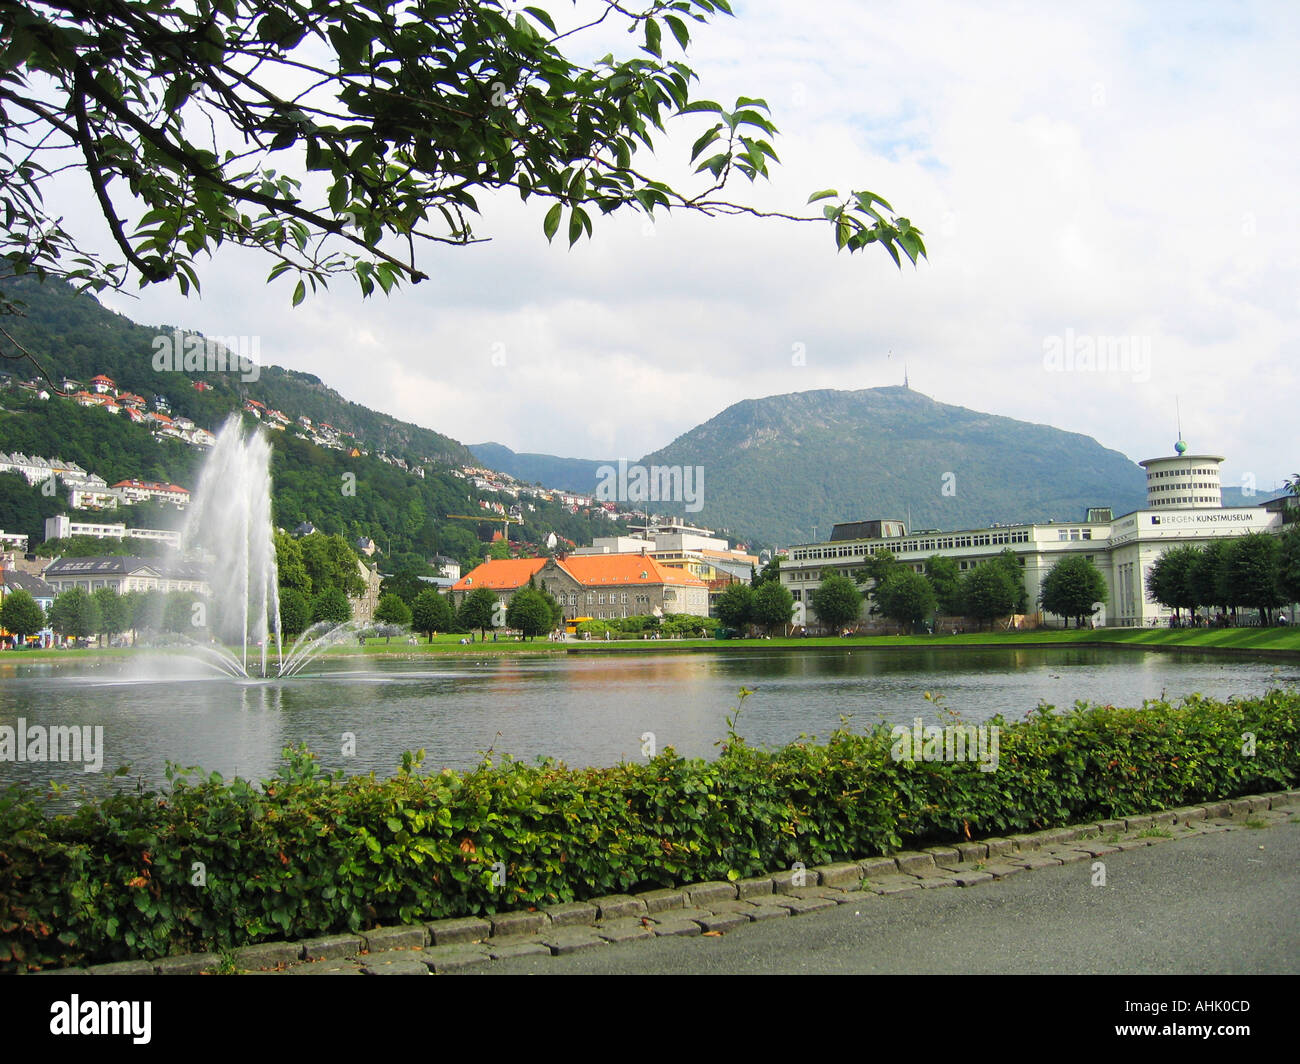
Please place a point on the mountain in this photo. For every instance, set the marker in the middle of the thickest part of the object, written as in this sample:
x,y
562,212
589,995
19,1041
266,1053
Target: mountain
x,y
401,488
75,336
775,467
571,474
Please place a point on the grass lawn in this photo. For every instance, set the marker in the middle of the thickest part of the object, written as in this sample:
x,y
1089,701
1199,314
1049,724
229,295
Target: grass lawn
x,y
1272,641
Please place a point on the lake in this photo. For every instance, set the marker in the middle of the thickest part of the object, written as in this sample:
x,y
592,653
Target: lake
x,y
585,709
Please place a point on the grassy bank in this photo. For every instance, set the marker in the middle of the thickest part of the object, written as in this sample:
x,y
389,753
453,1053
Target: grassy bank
x,y
213,864
1274,642
1283,641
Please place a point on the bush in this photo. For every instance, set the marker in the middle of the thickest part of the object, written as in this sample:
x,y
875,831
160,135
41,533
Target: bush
x,y
307,854
687,626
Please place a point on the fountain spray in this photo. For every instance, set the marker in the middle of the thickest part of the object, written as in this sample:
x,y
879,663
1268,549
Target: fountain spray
x,y
230,531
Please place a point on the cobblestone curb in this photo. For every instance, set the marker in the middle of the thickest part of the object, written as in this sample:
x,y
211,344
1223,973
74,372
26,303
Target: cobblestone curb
x,y
711,908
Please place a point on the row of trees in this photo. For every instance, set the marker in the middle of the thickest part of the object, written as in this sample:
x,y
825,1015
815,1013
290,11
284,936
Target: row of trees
x,y
768,604
993,589
532,611
80,614
1257,571
990,590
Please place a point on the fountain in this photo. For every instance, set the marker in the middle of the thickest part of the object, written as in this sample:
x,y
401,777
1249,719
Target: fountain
x,y
228,534
316,639
229,529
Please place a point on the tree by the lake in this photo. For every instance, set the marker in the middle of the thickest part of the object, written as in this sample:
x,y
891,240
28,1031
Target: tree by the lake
x,y
773,605
114,613
1071,588
331,562
147,609
1251,573
330,605
906,597
837,601
1170,579
988,592
945,578
74,614
530,613
21,615
1209,576
181,616
1009,561
295,612
876,569
771,571
735,606
431,612
1288,564
291,571
392,612
479,610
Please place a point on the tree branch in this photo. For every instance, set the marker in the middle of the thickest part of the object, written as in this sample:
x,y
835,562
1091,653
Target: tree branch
x,y
149,271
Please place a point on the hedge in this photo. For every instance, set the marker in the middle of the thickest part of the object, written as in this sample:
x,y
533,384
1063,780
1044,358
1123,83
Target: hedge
x,y
211,864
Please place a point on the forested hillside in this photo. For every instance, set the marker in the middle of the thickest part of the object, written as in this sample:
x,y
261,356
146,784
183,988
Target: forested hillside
x,y
73,335
352,495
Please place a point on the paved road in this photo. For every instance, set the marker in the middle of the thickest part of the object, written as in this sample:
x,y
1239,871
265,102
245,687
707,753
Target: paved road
x,y
1222,903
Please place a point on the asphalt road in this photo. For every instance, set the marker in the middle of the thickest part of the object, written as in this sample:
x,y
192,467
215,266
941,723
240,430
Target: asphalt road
x,y
1223,903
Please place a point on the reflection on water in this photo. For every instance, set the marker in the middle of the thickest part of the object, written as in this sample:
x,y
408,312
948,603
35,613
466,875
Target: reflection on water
x,y
583,709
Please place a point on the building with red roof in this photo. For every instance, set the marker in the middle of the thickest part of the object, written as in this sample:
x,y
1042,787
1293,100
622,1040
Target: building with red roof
x,y
134,491
602,586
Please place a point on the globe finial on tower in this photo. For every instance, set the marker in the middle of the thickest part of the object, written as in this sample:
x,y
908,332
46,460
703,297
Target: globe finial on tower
x,y
1180,447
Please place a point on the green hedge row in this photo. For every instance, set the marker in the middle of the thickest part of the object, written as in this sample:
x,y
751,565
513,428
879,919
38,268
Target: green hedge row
x,y
305,853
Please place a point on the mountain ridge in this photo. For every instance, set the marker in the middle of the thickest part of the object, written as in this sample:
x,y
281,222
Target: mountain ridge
x,y
931,464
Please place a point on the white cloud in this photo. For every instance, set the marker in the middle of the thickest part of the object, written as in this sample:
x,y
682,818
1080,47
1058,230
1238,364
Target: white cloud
x,y
1116,170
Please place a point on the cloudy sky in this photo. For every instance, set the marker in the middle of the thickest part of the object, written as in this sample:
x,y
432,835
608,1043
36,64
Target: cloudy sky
x,y
1119,174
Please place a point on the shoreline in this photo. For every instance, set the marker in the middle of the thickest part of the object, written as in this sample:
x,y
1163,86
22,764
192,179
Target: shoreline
x,y
1279,644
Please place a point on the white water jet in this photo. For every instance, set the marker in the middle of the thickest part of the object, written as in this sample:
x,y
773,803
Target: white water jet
x,y
229,529
319,637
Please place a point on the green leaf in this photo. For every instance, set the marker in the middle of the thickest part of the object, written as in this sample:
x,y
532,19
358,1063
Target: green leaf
x,y
701,105
652,37
577,223
714,165
705,140
679,30
552,222
542,17
299,293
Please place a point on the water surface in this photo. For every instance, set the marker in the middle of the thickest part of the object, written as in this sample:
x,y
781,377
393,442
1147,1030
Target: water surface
x,y
582,709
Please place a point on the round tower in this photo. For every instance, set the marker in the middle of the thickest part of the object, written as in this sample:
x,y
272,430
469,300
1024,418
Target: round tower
x,y
1183,481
